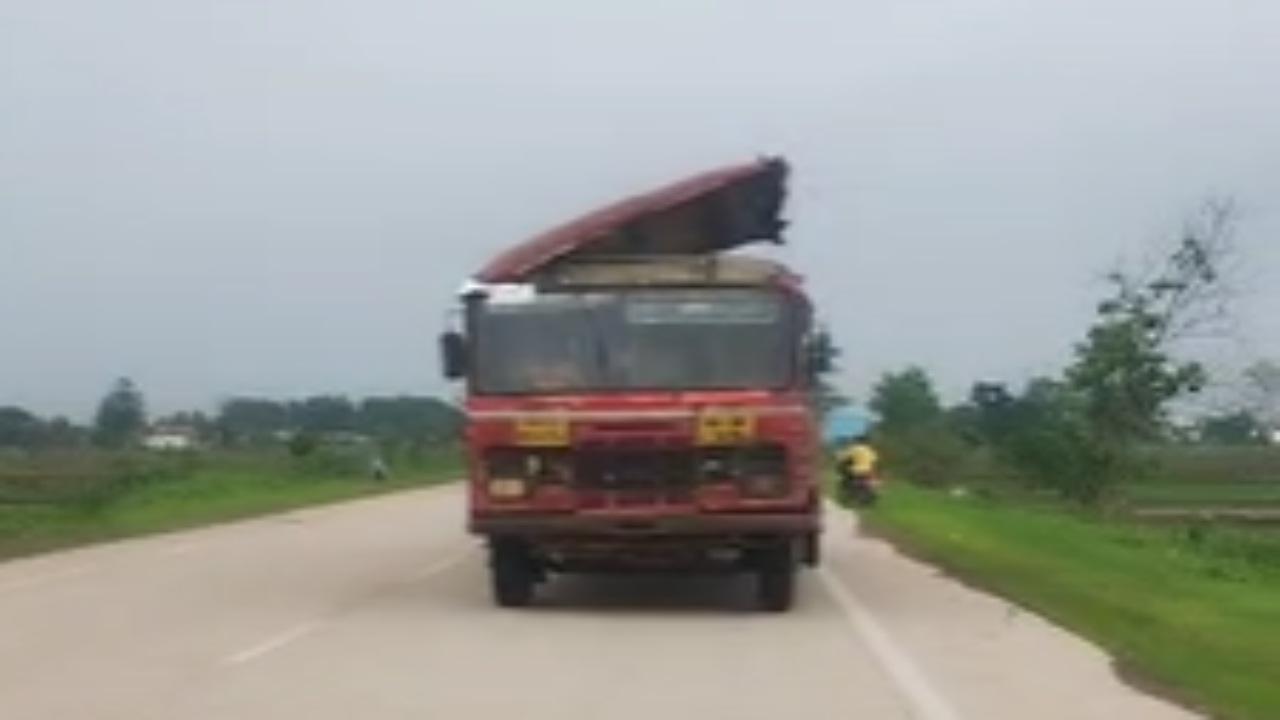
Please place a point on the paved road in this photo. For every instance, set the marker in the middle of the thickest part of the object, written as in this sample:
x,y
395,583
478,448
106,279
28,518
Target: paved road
x,y
378,609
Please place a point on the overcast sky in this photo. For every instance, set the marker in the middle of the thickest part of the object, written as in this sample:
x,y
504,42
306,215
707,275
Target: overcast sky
x,y
218,197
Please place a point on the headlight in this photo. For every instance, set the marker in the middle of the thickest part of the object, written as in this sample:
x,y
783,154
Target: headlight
x,y
508,488
531,467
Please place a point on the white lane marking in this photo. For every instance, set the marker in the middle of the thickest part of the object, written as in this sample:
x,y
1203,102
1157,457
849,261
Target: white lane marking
x,y
275,642
926,702
301,630
31,580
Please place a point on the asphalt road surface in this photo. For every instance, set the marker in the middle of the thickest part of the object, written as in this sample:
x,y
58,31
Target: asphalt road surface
x,y
379,609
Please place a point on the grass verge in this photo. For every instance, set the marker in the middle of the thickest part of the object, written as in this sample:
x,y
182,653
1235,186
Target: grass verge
x,y
1193,611
209,494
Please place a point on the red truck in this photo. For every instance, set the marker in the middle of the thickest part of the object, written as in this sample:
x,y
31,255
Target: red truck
x,y
638,397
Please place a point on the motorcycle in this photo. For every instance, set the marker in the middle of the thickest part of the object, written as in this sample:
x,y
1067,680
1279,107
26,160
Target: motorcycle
x,y
859,491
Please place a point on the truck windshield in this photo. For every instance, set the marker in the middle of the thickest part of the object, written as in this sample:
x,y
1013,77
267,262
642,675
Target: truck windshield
x,y
680,340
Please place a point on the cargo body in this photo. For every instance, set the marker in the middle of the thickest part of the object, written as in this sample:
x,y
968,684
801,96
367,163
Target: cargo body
x,y
631,410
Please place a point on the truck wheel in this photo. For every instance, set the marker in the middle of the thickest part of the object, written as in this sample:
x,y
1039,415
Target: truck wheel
x,y
812,549
512,573
776,577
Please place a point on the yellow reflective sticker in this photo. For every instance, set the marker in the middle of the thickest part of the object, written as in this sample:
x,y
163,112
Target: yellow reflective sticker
x,y
726,427
542,432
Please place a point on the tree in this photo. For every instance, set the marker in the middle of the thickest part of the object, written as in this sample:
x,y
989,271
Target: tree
x,y
823,356
826,398
905,400
245,418
1124,367
408,418
62,433
323,413
1262,391
1048,439
1125,373
416,420
20,429
989,414
1080,435
1237,428
121,415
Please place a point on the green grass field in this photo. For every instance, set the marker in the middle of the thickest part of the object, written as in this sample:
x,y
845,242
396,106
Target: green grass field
x,y
1217,463
1207,495
1192,610
160,494
1209,477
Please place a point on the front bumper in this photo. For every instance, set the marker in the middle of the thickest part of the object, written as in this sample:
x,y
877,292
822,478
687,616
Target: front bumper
x,y
614,525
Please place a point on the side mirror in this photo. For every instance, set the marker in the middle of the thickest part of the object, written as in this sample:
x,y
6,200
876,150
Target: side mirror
x,y
453,355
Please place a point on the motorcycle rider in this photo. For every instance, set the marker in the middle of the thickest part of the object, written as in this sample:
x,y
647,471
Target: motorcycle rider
x,y
857,463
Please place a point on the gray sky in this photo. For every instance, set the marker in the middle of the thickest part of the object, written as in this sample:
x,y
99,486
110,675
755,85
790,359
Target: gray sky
x,y
232,196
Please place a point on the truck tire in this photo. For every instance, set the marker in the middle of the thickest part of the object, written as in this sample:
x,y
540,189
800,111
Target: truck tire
x,y
812,552
776,577
512,573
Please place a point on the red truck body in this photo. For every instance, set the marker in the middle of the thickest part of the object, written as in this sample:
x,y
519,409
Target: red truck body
x,y
640,400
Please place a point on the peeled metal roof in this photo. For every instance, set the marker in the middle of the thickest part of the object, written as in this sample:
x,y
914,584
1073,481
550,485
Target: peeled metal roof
x,y
710,212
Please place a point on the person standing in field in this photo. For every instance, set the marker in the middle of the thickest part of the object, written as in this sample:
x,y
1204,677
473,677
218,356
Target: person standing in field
x,y
857,463
378,468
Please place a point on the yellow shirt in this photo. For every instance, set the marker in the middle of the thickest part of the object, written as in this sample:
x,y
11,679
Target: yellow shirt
x,y
862,458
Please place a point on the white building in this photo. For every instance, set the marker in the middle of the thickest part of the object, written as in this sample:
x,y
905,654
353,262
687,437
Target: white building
x,y
170,438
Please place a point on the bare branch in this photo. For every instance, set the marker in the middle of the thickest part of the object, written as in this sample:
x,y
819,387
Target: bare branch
x,y
1193,287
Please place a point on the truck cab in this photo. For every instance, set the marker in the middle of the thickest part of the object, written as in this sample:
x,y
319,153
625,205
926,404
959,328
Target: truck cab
x,y
638,399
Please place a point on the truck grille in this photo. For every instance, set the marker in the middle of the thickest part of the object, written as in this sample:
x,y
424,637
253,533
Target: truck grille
x,y
620,477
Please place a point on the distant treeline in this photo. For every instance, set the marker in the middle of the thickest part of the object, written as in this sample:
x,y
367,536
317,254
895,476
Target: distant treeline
x,y
122,420
403,417
22,429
